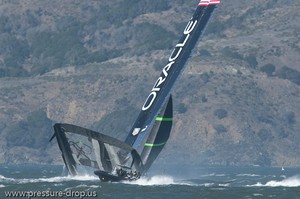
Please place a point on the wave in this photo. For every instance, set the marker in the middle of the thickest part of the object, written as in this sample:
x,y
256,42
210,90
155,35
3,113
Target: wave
x,y
224,185
49,179
157,181
248,175
293,181
214,174
83,186
5,179
2,186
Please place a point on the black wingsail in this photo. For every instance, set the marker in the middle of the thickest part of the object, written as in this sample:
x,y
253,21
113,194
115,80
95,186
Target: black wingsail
x,y
170,73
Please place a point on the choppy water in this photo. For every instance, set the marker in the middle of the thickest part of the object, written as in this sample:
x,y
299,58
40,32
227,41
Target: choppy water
x,y
196,182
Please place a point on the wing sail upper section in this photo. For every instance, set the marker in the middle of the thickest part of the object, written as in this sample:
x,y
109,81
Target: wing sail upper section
x,y
170,73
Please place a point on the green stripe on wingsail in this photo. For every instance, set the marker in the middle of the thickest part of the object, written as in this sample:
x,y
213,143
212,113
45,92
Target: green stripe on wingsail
x,y
163,119
149,144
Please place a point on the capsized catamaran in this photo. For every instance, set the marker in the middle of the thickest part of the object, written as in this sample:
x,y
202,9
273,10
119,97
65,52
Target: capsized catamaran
x,y
115,160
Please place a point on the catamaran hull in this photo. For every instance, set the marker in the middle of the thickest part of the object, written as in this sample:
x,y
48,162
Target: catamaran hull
x,y
107,177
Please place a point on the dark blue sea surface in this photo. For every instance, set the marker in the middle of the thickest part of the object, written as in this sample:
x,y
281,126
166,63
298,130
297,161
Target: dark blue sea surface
x,y
46,181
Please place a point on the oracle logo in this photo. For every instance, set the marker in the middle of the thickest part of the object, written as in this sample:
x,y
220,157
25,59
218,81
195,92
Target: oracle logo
x,y
172,59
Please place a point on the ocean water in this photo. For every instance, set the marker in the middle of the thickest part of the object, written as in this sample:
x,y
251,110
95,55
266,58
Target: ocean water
x,y
46,181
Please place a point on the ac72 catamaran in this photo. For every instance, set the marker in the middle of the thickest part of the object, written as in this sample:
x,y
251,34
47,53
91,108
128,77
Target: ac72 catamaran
x,y
115,160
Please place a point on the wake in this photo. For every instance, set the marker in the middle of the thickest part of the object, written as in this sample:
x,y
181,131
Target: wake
x,y
48,179
293,181
159,180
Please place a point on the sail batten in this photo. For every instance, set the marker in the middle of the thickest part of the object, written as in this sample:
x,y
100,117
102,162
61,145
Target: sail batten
x,y
154,144
163,119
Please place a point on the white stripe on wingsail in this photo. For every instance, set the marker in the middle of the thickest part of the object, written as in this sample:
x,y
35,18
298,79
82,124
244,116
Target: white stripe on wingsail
x,y
208,2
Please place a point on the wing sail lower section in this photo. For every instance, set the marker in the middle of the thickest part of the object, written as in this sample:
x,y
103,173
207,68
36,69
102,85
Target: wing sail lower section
x,y
158,135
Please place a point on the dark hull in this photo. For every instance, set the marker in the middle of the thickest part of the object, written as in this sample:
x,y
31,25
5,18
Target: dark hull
x,y
107,177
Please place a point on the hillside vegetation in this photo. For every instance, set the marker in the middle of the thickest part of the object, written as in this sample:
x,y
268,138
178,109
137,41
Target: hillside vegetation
x,y
92,63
